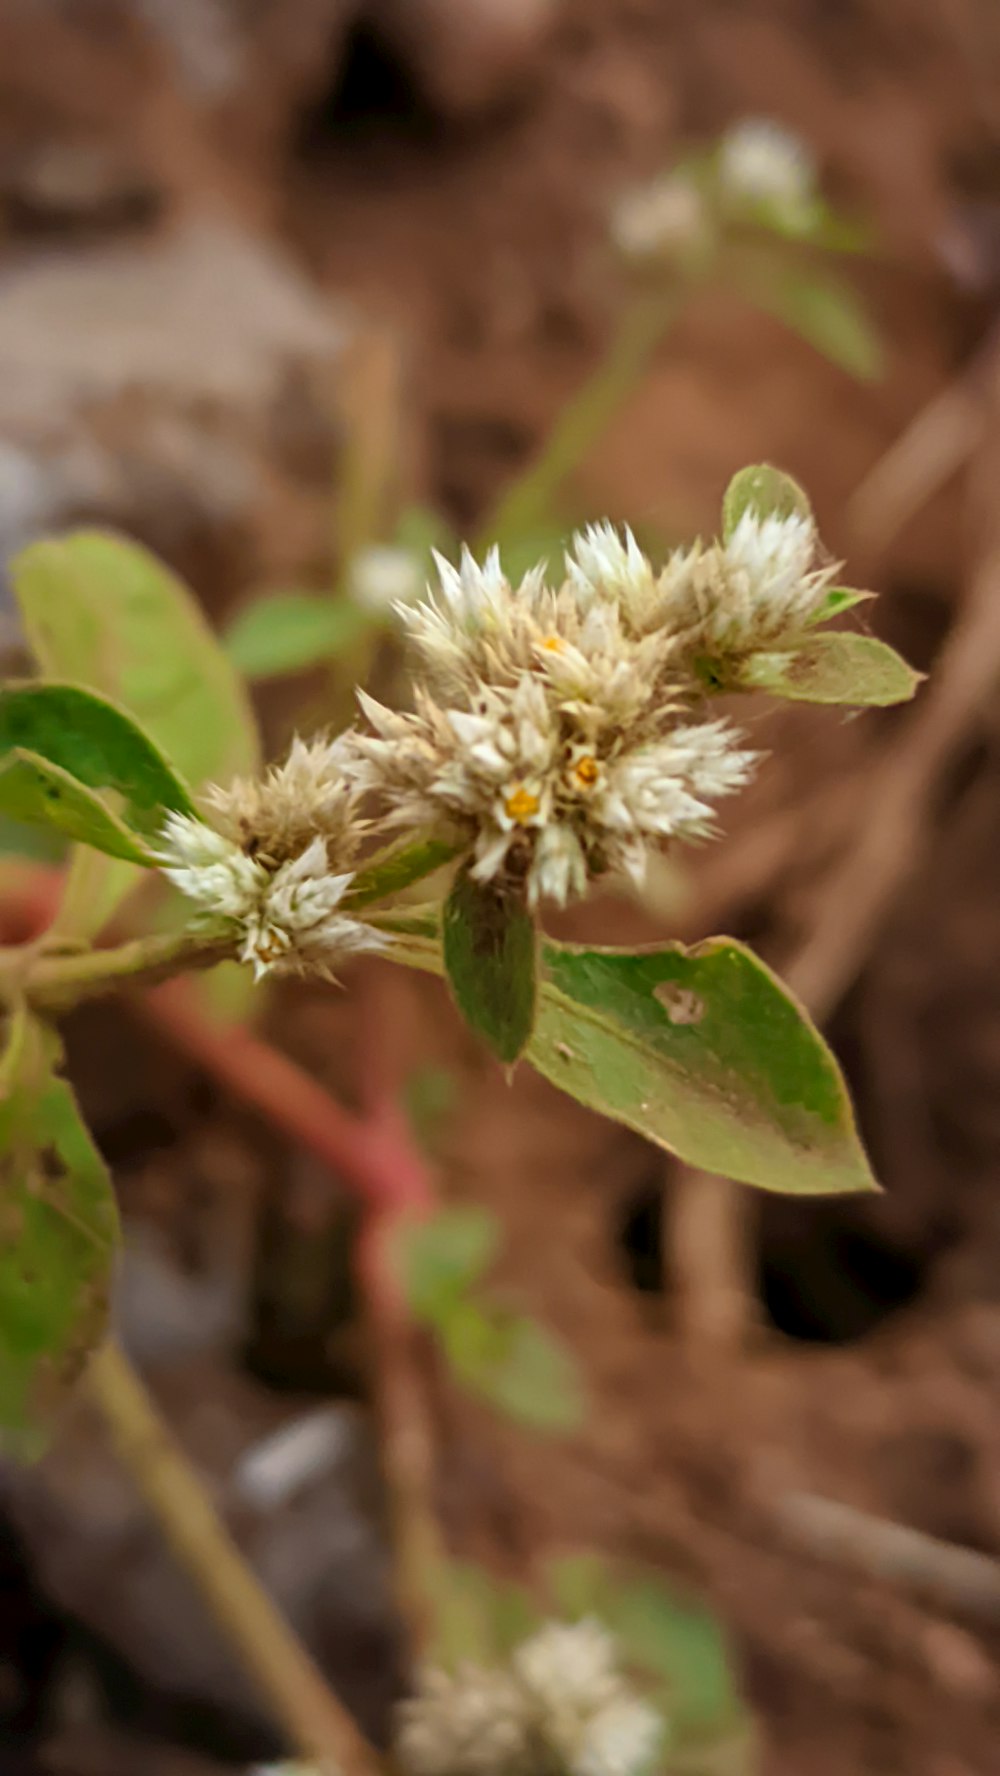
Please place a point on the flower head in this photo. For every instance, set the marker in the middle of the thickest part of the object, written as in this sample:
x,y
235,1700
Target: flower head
x,y
561,1708
273,817
549,729
654,223
471,1723
760,588
762,162
588,1717
383,576
267,869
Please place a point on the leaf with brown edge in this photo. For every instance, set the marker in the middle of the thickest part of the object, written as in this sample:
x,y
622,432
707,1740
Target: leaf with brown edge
x,y
840,668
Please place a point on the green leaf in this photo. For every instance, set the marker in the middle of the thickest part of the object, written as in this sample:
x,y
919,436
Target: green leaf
x,y
827,315
839,668
102,611
514,1364
397,867
766,492
838,600
490,959
93,741
290,631
704,1052
58,1234
33,790
440,1257
682,1644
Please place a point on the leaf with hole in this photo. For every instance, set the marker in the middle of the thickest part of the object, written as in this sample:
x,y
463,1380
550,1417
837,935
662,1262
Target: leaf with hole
x,y
37,792
490,948
839,668
58,1235
284,632
702,1050
91,740
765,491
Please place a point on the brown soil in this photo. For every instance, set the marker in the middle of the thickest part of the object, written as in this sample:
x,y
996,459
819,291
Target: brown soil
x,y
874,1375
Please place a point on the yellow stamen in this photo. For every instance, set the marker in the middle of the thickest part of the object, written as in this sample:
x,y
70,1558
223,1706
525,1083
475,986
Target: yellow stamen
x,y
586,771
553,644
521,805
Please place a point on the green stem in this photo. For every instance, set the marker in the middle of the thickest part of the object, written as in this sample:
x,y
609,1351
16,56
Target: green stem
x,y
527,505
316,1723
55,983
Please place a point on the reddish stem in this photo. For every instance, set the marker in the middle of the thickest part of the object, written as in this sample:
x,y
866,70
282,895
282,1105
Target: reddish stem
x,y
374,1156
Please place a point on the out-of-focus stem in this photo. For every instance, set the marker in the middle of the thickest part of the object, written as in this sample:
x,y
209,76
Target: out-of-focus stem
x,y
527,505
316,1723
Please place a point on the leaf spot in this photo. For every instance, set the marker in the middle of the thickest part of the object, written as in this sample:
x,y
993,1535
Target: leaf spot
x,y
681,1005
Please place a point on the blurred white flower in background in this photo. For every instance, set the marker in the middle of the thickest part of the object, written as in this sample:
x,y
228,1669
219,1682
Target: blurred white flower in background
x,y
760,161
562,1708
382,576
659,221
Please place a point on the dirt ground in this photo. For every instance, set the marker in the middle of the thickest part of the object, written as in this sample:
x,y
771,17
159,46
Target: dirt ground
x,y
869,1371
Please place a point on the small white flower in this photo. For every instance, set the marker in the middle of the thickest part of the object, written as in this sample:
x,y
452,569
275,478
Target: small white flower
x,y
655,222
602,564
274,816
296,924
562,1708
552,734
761,162
770,585
568,1664
472,1723
382,577
209,868
588,1717
286,920
621,1739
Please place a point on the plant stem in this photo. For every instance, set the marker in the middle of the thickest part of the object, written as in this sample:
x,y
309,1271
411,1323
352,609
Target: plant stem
x,y
527,505
370,1159
316,1723
57,982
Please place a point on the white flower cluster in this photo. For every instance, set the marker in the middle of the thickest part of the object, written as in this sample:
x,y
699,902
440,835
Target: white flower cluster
x,y
266,866
657,222
552,728
562,1708
762,162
